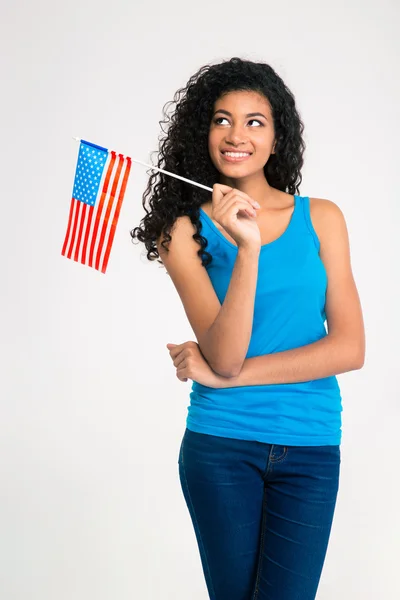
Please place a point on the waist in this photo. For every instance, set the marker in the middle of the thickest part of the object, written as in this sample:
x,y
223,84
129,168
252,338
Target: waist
x,y
319,387
304,412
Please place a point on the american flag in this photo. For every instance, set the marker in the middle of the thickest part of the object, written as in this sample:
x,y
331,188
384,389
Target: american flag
x,y
99,188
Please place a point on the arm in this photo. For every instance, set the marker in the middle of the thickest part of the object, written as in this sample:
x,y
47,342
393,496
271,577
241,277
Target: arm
x,y
328,356
228,338
343,349
223,331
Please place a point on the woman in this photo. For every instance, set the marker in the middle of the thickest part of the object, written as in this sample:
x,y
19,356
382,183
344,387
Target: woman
x,y
260,457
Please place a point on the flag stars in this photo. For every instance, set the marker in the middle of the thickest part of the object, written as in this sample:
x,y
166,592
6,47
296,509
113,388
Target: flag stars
x,y
89,170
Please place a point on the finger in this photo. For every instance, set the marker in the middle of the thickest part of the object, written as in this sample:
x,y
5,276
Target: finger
x,y
220,189
175,354
240,194
180,373
174,349
219,192
240,205
246,203
179,361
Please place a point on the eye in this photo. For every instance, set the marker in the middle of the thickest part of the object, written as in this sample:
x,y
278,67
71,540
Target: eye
x,y
257,121
224,118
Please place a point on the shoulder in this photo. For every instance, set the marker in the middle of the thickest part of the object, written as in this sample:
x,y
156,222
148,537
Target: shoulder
x,y
179,232
322,206
330,225
327,218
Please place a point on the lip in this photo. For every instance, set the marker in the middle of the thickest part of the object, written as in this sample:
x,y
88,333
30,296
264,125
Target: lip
x,y
234,159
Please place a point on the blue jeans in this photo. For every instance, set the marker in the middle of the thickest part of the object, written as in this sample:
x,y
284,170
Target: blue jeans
x,y
262,514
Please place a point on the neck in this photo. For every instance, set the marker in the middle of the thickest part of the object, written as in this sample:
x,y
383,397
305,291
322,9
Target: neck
x,y
255,185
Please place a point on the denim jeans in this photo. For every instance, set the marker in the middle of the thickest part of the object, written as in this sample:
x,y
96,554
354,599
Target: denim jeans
x,y
262,514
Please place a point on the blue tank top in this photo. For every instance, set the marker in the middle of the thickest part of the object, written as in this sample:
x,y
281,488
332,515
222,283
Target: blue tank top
x,y
289,311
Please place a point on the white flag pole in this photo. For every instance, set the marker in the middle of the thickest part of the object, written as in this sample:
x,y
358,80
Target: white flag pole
x,y
200,185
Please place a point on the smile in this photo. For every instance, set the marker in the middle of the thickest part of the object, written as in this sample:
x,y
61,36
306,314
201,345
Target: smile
x,y
235,156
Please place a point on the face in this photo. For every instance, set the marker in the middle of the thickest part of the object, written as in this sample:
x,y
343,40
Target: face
x,y
233,130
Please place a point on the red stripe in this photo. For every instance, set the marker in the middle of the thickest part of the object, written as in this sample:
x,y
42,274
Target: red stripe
x,y
78,243
100,207
108,210
71,210
87,231
76,218
116,215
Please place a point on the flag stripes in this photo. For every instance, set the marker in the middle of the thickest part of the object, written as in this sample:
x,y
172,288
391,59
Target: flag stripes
x,y
99,188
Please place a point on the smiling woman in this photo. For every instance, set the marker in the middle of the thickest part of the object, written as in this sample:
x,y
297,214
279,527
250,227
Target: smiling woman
x,y
248,137
259,268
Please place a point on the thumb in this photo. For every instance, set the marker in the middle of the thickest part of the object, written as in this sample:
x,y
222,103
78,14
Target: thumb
x,y
224,188
219,190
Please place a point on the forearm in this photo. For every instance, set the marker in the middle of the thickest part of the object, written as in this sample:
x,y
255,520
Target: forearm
x,y
226,343
324,358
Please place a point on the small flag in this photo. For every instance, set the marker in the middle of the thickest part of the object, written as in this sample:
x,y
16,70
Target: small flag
x,y
99,188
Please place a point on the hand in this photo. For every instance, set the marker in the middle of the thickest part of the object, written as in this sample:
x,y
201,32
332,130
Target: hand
x,y
190,363
236,212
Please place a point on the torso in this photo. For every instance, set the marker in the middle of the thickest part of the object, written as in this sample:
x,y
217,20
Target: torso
x,y
274,221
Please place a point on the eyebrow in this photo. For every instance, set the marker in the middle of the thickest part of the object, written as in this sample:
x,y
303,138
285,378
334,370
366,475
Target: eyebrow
x,y
254,114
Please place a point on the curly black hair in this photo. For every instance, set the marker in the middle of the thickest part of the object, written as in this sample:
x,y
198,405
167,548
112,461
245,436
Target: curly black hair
x,y
184,148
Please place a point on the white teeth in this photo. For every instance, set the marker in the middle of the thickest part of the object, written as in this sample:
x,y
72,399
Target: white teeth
x,y
237,154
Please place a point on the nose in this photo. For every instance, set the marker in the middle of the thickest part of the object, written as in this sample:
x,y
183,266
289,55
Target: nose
x,y
236,136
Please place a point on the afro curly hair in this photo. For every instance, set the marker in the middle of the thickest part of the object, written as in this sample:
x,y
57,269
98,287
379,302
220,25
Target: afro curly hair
x,y
184,148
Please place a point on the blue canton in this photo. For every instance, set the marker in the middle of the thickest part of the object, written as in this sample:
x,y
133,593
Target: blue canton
x,y
89,169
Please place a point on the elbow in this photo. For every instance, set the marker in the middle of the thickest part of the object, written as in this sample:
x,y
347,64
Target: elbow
x,y
361,354
359,359
225,366
229,371
359,363
226,370
352,352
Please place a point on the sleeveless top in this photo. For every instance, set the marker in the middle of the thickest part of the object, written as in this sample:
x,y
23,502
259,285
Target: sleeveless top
x,y
289,311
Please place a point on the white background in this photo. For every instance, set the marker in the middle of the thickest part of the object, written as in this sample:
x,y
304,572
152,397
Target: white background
x,y
92,414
